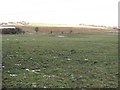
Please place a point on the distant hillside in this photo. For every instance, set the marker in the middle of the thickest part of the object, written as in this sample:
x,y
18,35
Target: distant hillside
x,y
23,23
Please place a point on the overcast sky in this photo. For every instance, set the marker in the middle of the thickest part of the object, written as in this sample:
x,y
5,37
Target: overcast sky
x,y
98,12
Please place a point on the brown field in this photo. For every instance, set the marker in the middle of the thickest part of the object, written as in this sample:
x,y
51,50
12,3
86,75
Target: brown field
x,y
58,30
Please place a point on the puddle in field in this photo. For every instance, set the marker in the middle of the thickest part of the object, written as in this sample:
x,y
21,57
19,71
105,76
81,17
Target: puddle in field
x,y
61,36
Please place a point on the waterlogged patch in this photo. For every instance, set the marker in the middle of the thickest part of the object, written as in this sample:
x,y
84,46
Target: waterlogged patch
x,y
61,36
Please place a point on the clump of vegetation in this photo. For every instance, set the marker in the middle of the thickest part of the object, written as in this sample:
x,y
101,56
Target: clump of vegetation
x,y
12,31
70,31
36,29
51,32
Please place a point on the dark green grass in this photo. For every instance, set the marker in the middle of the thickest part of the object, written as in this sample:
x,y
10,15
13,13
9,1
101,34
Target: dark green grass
x,y
77,60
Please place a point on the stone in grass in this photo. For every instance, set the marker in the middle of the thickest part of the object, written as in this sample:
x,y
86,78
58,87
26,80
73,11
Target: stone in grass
x,y
3,67
86,59
8,71
17,64
34,84
54,57
38,70
27,69
68,59
31,58
13,75
44,87
80,77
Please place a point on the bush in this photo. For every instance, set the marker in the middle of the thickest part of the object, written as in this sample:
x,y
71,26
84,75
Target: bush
x,y
36,29
12,31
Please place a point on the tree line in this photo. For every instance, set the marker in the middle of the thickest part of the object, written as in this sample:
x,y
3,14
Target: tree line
x,y
12,31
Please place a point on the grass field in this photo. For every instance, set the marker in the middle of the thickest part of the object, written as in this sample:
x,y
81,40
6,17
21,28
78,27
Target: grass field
x,y
76,60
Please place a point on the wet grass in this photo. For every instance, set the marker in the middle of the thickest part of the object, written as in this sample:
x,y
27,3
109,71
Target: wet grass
x,y
76,60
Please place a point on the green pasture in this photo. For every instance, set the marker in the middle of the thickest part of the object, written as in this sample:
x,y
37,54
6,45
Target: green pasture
x,y
60,61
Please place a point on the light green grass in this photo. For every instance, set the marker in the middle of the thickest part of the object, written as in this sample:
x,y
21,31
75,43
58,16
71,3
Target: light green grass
x,y
77,60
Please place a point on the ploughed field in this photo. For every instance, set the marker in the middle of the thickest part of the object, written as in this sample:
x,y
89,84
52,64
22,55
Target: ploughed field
x,y
87,59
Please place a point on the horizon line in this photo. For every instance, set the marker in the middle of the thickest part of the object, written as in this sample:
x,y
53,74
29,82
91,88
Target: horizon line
x,y
59,23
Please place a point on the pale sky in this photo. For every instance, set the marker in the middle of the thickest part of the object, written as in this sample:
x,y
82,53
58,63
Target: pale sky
x,y
98,12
